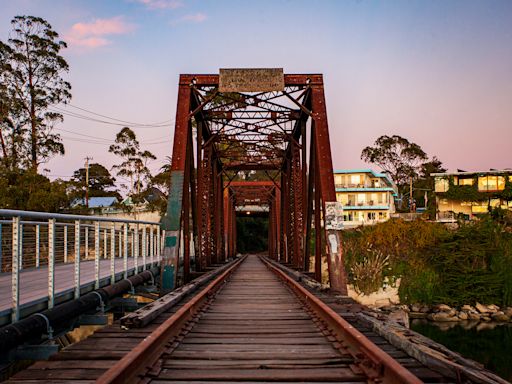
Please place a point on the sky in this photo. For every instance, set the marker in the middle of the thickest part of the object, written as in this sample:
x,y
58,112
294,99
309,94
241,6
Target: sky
x,y
438,73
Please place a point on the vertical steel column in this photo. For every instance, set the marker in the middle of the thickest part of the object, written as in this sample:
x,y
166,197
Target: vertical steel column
x,y
173,220
133,244
65,243
77,259
112,253
38,240
51,263
120,240
15,269
97,253
158,244
125,251
337,276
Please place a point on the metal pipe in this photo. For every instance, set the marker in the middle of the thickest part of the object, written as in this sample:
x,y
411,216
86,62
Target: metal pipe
x,y
62,315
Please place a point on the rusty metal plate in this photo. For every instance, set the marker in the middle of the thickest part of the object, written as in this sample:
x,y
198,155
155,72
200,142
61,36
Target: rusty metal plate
x,y
251,79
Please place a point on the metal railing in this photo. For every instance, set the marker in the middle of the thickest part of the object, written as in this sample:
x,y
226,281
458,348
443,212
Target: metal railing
x,y
49,243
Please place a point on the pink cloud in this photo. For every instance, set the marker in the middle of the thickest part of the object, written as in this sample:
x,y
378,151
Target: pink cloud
x,y
93,34
161,4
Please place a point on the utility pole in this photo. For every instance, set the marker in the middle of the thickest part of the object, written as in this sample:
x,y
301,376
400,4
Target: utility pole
x,y
87,181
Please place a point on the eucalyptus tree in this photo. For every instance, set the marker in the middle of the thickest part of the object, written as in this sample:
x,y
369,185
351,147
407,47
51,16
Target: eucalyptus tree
x,y
32,79
134,162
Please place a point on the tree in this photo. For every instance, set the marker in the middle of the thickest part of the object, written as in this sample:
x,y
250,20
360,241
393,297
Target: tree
x,y
135,161
163,178
397,156
101,182
28,190
31,77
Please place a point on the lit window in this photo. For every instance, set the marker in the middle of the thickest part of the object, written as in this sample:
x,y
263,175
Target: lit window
x,y
501,183
441,184
483,184
465,181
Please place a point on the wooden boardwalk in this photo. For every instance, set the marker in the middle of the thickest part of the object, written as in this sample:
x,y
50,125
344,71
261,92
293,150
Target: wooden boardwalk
x,y
34,283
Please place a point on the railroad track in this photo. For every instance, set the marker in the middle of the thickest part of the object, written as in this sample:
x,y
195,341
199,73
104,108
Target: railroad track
x,y
250,324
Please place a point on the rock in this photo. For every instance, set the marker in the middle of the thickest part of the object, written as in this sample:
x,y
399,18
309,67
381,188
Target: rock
x,y
444,316
442,308
417,307
500,316
425,309
463,315
468,308
493,308
417,315
474,316
482,308
508,312
486,318
382,303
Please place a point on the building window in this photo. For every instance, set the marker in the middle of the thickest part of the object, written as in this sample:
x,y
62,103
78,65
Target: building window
x,y
371,215
491,183
351,199
466,181
441,184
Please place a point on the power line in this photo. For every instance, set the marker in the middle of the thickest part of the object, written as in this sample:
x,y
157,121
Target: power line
x,y
96,120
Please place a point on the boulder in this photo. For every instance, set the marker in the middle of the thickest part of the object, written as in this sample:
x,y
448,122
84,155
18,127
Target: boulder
x,y
493,308
463,315
474,316
500,316
468,308
486,318
442,308
425,309
444,316
482,308
508,311
416,307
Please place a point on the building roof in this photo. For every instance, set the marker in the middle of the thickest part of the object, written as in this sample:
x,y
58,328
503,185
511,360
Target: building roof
x,y
464,173
96,202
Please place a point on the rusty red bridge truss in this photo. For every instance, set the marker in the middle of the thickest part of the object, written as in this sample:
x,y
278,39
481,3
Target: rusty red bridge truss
x,y
251,138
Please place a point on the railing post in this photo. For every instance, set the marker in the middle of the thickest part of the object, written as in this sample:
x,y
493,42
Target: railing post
x,y
136,246
105,243
38,240
144,250
151,244
65,243
97,252
158,243
112,253
133,243
15,269
86,254
77,259
125,251
120,238
51,263
20,237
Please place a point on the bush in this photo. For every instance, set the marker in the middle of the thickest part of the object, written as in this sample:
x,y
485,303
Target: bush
x,y
437,265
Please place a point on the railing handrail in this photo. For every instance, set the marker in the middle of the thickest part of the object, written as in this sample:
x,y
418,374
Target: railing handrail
x,y
63,216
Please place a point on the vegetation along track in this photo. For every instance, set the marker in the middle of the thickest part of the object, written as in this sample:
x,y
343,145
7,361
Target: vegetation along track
x,y
252,323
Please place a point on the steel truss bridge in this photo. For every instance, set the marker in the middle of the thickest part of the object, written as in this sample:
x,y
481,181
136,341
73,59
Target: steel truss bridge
x,y
260,148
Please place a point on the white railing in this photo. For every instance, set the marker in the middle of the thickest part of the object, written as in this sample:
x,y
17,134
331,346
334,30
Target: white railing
x,y
54,253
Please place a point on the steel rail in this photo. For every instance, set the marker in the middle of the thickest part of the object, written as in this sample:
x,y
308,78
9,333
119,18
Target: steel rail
x,y
140,359
372,360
